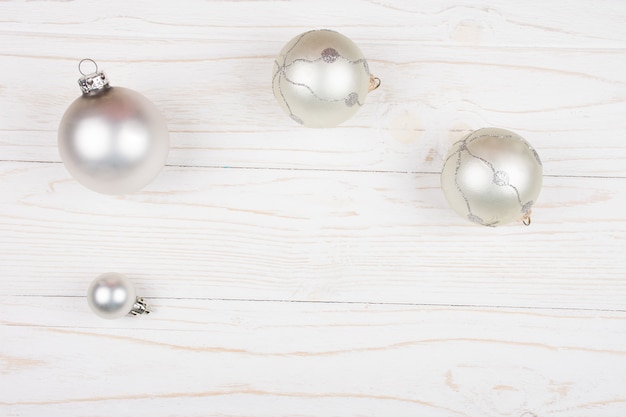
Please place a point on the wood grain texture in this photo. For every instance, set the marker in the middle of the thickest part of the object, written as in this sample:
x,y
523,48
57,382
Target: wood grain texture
x,y
311,235
557,96
195,358
317,272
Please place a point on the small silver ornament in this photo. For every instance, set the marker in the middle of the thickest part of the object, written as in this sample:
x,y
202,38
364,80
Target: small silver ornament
x,y
112,296
321,78
492,177
111,139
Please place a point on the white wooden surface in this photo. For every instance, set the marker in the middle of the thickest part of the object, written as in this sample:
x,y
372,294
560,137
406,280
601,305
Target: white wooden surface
x,y
298,272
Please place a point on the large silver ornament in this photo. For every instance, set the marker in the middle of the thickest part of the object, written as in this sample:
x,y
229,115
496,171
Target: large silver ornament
x,y
111,139
492,177
112,296
321,78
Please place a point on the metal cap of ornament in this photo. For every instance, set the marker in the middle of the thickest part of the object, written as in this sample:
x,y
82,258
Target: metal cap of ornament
x,y
95,81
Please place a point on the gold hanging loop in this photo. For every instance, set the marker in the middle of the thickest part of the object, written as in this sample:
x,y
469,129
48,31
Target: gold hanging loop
x,y
374,83
526,218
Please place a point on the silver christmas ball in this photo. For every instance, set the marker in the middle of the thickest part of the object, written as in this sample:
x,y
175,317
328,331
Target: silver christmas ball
x,y
321,78
111,296
111,139
492,177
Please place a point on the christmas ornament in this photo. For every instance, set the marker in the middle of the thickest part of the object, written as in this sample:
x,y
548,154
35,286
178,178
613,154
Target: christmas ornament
x,y
111,139
321,78
112,296
492,177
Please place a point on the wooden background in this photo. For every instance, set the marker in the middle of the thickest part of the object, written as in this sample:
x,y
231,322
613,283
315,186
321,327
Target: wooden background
x,y
313,273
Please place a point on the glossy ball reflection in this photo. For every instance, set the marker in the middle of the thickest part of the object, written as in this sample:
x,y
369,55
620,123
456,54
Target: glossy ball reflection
x,y
113,141
492,177
321,78
111,295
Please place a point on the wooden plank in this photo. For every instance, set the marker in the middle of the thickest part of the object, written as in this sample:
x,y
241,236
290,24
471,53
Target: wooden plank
x,y
487,23
560,100
298,235
219,358
432,94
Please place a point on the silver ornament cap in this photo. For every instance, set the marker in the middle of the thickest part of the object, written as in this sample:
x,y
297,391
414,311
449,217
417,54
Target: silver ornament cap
x,y
112,139
94,81
112,296
321,78
492,177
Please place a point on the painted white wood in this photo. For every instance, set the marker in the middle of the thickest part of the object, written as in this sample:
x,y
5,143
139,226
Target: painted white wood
x,y
311,235
298,272
198,358
212,82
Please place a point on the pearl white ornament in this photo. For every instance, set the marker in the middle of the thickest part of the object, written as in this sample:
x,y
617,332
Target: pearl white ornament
x,y
492,177
112,296
111,139
321,78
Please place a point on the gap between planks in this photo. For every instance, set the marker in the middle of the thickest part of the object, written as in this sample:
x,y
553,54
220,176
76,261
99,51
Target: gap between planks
x,y
363,303
374,171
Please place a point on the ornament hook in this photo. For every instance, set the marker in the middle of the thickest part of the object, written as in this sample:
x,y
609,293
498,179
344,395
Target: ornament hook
x,y
374,83
526,218
80,64
93,82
